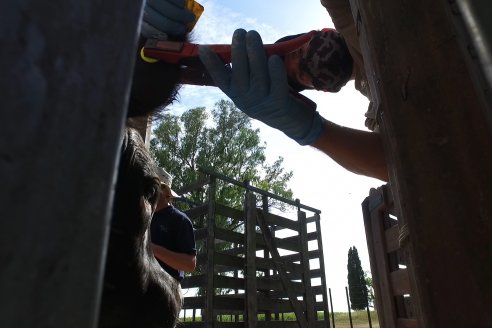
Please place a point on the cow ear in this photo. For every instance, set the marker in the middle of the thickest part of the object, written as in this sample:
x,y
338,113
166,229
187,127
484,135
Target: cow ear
x,y
154,85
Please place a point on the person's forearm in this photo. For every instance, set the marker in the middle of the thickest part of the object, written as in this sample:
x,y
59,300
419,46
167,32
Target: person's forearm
x,y
177,261
360,152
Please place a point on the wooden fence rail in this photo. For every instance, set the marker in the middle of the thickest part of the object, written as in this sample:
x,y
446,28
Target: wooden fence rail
x,y
259,270
386,246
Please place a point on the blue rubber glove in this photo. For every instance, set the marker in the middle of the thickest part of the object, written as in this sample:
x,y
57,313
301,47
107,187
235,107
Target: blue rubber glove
x,y
165,17
258,86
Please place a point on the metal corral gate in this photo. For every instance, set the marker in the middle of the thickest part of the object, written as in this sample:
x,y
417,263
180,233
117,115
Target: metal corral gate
x,y
266,276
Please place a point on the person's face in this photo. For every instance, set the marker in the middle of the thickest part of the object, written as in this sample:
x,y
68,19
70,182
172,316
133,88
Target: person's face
x,y
165,197
291,63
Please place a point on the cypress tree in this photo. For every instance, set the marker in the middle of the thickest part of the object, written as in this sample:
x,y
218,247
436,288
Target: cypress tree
x,y
356,281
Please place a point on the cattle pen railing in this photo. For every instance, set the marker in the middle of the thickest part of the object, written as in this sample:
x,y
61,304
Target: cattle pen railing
x,y
258,268
387,240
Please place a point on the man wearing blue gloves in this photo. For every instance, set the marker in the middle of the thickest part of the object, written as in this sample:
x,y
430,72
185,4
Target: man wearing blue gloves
x,y
163,18
259,87
154,84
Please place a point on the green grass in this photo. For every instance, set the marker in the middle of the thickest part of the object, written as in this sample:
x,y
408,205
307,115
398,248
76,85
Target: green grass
x,y
359,319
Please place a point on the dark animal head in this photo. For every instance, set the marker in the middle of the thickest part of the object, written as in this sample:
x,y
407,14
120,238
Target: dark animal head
x,y
154,86
137,292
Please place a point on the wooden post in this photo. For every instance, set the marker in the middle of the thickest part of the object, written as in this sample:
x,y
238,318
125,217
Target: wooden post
x,y
326,311
266,254
373,209
251,304
437,141
210,295
308,295
66,69
280,266
474,16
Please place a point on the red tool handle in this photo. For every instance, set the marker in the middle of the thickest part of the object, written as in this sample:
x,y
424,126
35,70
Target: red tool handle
x,y
187,53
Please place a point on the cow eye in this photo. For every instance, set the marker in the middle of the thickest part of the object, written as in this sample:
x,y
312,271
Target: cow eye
x,y
151,192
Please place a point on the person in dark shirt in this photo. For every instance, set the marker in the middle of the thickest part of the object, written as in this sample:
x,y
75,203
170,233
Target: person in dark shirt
x,y
171,233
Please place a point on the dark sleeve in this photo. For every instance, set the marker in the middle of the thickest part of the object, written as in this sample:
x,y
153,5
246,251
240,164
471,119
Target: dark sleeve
x,y
187,237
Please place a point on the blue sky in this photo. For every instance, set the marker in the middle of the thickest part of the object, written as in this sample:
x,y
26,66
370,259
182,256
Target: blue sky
x,y
318,181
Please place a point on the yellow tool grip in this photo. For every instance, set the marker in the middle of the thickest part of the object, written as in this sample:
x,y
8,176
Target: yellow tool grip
x,y
196,9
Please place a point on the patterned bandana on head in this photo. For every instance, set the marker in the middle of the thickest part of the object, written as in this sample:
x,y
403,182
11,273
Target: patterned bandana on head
x,y
327,61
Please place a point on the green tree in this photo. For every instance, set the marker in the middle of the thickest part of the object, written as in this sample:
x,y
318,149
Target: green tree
x,y
356,281
225,143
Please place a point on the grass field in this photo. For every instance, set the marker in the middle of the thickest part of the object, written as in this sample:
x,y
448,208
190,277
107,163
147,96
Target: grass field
x,y
359,319
342,320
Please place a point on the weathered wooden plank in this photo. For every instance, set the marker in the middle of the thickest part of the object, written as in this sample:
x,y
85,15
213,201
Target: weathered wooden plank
x,y
312,219
277,305
472,18
295,239
373,210
407,323
290,245
234,251
400,283
319,306
266,254
210,292
435,130
272,284
391,239
230,236
321,270
292,276
225,262
228,282
194,302
225,302
279,221
194,281
196,212
230,302
275,283
308,293
292,268
230,212
66,70
282,272
229,260
251,306
297,257
237,237
313,235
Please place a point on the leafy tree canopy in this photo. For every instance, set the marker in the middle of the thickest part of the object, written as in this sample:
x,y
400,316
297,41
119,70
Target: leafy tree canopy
x,y
223,141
